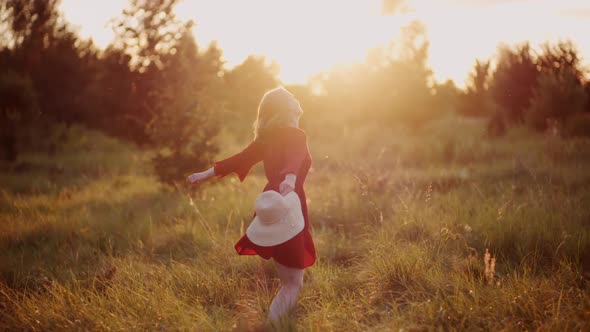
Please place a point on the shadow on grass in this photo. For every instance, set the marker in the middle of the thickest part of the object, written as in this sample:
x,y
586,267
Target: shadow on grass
x,y
75,243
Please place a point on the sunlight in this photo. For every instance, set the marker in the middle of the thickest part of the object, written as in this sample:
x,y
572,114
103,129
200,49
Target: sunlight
x,y
307,37
458,34
161,178
304,37
91,18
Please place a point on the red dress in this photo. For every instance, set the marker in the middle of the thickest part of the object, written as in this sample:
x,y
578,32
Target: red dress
x,y
283,151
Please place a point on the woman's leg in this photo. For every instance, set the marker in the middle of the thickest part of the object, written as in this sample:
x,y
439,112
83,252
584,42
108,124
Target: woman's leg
x,y
286,298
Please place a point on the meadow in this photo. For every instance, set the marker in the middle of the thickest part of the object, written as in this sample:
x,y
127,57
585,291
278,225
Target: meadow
x,y
89,240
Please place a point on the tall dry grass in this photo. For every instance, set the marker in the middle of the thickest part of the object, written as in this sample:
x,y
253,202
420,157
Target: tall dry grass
x,y
402,221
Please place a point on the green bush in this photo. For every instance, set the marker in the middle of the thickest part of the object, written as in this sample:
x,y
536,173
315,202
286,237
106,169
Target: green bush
x,y
557,96
17,105
578,125
184,127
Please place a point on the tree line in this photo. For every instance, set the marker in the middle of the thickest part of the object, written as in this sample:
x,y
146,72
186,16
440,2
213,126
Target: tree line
x,y
155,86
542,89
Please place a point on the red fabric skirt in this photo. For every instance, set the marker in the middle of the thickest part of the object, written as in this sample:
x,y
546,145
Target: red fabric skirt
x,y
298,252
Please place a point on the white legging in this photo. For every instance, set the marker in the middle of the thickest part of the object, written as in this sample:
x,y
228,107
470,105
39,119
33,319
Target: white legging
x,y
286,298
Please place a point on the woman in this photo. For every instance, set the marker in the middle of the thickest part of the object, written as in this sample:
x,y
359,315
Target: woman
x,y
282,147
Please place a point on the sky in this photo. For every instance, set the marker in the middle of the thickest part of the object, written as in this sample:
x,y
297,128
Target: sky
x,y
308,36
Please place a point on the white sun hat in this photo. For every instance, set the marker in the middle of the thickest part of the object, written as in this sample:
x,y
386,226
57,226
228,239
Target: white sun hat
x,y
278,219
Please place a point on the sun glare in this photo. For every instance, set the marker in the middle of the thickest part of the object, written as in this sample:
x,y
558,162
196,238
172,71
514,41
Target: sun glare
x,y
460,33
306,37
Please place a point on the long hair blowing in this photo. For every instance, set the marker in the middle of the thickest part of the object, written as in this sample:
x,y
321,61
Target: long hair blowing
x,y
273,111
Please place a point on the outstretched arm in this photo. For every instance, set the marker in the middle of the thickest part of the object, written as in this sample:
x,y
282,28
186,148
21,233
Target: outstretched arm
x,y
239,163
199,177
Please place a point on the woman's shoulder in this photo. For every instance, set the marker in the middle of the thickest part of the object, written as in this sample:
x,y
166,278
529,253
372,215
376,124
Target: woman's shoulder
x,y
294,132
284,133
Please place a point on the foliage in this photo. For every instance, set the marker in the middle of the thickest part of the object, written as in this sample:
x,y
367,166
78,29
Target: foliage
x,y
497,125
185,126
17,109
139,87
447,95
476,101
33,23
46,50
245,85
513,81
114,99
534,87
146,35
393,85
147,31
577,125
173,87
557,96
560,57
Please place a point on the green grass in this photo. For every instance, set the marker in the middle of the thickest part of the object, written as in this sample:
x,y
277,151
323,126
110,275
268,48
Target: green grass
x,y
90,241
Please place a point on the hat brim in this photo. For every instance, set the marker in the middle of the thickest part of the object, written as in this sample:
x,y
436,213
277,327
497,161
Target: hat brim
x,y
268,235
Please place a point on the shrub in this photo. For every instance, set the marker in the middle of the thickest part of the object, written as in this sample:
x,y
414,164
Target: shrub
x,y
184,127
496,125
557,96
17,105
578,125
185,144
512,84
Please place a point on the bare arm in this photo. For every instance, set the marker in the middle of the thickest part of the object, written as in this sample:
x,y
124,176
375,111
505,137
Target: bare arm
x,y
239,163
199,177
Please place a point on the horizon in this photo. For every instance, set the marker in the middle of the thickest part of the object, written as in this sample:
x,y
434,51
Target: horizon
x,y
453,48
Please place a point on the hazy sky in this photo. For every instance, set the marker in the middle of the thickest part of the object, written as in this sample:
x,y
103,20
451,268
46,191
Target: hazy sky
x,y
307,36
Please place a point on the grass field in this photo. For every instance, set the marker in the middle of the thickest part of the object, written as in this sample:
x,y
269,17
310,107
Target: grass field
x,y
90,241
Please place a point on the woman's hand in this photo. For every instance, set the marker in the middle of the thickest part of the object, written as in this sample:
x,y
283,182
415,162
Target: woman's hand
x,y
288,185
197,178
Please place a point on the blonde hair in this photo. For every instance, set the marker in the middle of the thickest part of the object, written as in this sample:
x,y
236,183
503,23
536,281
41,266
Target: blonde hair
x,y
274,109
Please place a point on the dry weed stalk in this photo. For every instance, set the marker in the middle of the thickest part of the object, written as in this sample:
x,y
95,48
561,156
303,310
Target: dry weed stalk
x,y
428,194
490,267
